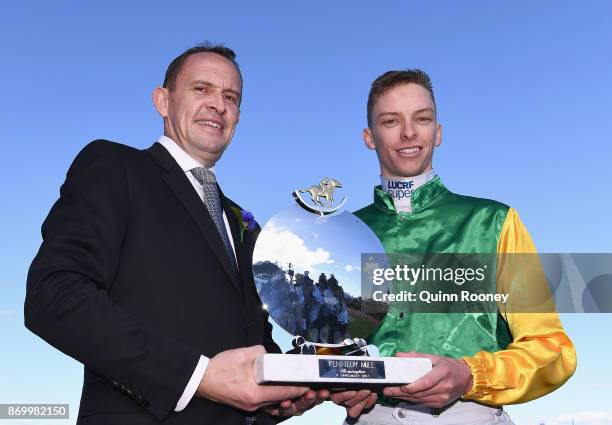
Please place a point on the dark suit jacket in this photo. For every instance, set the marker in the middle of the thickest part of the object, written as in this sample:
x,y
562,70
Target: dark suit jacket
x,y
133,281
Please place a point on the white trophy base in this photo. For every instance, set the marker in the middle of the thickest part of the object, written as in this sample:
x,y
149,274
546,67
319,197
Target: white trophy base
x,y
338,372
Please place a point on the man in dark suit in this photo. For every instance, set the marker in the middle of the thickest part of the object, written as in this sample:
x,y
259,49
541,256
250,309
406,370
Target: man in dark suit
x,y
144,273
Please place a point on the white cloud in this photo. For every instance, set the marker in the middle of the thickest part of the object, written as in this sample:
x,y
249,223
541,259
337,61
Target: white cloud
x,y
283,246
6,312
583,418
349,268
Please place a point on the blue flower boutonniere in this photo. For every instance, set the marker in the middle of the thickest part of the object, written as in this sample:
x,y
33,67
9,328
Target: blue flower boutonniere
x,y
245,220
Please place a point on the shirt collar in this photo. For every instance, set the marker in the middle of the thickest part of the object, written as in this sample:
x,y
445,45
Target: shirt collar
x,y
421,197
401,188
184,160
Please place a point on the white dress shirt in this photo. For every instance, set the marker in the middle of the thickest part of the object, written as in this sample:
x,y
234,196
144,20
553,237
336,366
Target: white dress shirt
x,y
188,163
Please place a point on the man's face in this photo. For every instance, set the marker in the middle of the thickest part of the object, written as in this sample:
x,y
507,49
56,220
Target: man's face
x,y
202,109
404,131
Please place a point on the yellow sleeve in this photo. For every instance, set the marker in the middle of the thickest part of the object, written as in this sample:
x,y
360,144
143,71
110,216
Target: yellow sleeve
x,y
541,356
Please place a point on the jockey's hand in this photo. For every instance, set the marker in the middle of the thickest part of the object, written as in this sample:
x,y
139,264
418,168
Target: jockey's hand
x,y
448,380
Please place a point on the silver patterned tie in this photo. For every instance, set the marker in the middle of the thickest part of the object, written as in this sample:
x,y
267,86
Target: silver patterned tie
x,y
208,181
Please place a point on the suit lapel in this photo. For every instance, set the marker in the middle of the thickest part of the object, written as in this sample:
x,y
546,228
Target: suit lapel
x,y
180,185
243,248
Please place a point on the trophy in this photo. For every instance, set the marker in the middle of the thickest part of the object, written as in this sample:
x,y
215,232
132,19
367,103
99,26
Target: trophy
x,y
308,271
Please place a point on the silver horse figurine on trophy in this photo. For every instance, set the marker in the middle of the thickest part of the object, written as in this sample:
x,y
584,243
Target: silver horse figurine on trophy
x,y
324,190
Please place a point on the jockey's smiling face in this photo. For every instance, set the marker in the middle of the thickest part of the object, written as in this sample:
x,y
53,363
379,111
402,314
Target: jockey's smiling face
x,y
404,131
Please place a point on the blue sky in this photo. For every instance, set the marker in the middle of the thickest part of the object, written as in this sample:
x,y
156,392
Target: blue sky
x,y
522,90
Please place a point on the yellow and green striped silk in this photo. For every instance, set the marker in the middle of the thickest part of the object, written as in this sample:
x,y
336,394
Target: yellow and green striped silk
x,y
444,222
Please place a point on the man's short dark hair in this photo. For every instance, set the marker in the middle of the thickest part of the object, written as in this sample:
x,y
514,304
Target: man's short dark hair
x,y
175,66
391,79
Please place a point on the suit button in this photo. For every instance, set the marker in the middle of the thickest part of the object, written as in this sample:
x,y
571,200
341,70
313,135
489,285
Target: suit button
x,y
141,401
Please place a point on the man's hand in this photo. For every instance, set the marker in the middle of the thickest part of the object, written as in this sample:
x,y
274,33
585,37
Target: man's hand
x,y
448,380
229,379
288,408
354,401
